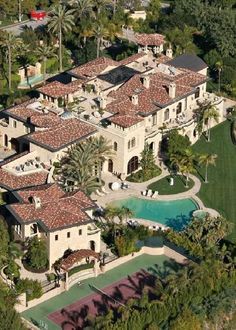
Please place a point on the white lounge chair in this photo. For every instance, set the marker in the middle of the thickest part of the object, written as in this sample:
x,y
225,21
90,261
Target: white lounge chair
x,y
144,192
99,193
155,194
149,193
104,190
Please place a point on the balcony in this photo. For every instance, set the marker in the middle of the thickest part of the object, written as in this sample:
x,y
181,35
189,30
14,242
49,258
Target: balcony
x,y
92,230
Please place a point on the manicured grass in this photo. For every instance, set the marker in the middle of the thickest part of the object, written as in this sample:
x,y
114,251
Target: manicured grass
x,y
220,192
164,188
157,265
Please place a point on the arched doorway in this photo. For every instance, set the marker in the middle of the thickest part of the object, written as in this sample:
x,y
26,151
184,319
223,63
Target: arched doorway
x,y
92,245
110,165
15,144
5,140
151,146
132,164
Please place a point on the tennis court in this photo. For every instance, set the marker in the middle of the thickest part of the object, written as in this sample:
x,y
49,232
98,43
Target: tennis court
x,y
69,309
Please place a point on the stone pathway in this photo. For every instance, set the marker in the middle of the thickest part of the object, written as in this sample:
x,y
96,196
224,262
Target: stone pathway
x,y
33,276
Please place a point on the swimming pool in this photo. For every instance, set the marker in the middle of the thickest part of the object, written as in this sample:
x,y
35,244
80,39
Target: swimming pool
x,y
175,214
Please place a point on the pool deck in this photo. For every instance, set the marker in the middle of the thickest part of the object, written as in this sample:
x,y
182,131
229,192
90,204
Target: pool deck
x,y
136,189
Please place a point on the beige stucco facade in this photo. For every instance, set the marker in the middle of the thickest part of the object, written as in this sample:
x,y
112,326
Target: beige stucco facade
x,y
84,236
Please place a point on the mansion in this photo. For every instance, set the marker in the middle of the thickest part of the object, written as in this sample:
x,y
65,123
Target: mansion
x,y
130,102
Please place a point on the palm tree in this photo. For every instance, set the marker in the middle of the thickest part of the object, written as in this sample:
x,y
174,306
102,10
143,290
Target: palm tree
x,y
99,32
85,30
218,68
210,113
207,159
61,21
102,149
45,52
77,168
99,5
9,42
83,8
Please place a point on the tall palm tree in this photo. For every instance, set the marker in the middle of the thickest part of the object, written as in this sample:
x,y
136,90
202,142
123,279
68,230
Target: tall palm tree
x,y
219,68
77,168
99,32
85,30
207,159
99,5
61,21
44,52
210,113
9,42
102,150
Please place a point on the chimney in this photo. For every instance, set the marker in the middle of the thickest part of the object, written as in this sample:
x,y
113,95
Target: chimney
x,y
146,81
172,90
102,102
169,52
134,99
37,202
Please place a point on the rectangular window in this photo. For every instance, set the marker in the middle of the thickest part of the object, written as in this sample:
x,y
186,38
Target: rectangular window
x,y
68,234
56,237
14,123
154,119
80,232
27,129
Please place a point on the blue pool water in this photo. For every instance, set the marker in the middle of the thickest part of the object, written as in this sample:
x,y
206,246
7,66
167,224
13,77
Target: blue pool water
x,y
175,214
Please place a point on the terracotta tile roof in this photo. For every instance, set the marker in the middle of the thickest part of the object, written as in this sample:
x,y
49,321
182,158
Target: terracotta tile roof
x,y
132,58
153,39
67,132
125,120
93,68
154,97
10,181
46,120
34,117
56,89
77,256
56,210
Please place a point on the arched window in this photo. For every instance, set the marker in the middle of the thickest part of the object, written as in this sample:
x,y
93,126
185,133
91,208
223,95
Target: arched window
x,y
166,114
129,144
132,165
197,93
115,146
133,142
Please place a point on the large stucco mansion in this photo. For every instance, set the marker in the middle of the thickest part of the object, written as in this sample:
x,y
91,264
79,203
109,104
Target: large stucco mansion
x,y
130,102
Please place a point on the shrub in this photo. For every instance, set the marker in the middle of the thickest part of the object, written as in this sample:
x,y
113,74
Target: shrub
x,y
233,131
139,176
51,277
33,288
12,270
79,268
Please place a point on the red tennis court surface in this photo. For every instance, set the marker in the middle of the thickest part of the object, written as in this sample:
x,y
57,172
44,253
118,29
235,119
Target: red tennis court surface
x,y
74,316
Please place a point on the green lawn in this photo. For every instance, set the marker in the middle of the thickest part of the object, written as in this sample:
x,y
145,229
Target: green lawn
x,y
164,188
157,265
220,192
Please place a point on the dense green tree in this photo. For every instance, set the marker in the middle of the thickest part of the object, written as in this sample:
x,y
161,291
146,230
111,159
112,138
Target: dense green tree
x,y
177,143
37,254
147,161
4,239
